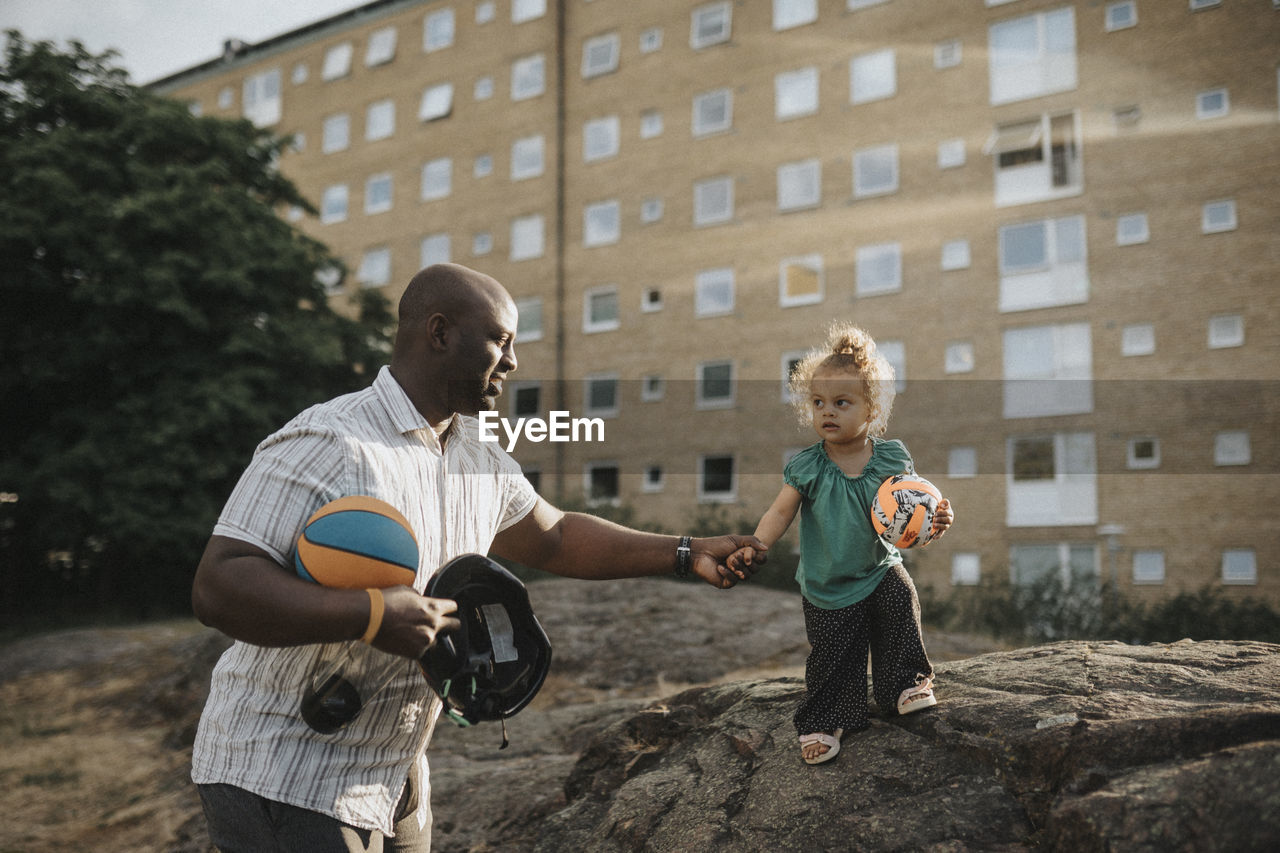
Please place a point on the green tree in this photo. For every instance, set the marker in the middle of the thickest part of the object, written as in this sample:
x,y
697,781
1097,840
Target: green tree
x,y
159,319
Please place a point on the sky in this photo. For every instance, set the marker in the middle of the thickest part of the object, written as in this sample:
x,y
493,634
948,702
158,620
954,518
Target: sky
x,y
155,38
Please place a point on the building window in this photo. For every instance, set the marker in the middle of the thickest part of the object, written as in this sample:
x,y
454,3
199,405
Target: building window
x,y
1132,229
795,93
1138,339
879,269
529,319
528,77
600,482
481,243
600,55
1232,448
1037,160
600,139
437,102
527,10
650,124
483,166
652,388
947,54
601,223
226,97
1032,56
1067,564
1214,103
790,361
1043,264
600,395
527,157
717,479
1052,480
435,249
1239,566
1218,216
958,357
966,569
485,12
527,237
381,48
1225,331
710,24
1197,5
852,5
875,171
300,74
951,153
653,480
526,399
1126,119
715,385
651,210
713,201
956,255
800,281
337,61
800,185
1121,16
261,102
483,89
330,278
712,112
600,309
336,135
437,30
333,204
895,352
380,120
794,13
651,40
872,76
1148,567
962,462
1143,452
714,292
375,268
437,178
377,193
1048,370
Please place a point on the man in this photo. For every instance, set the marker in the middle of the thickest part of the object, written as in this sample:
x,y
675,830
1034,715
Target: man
x,y
268,782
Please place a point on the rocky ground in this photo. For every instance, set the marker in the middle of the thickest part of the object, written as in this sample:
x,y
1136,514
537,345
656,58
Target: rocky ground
x,y
665,726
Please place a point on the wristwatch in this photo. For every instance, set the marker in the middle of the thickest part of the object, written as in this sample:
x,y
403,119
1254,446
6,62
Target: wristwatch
x,y
684,557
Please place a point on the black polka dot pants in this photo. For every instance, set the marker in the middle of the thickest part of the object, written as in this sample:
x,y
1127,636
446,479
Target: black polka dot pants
x,y
885,624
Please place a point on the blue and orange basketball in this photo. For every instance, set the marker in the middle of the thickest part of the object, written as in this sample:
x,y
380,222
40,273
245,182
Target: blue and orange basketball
x,y
902,512
357,542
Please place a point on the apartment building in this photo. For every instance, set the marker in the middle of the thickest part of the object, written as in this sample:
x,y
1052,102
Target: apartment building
x,y
1060,221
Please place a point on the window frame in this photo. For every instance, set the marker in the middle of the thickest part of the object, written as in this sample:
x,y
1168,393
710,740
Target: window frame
x,y
592,326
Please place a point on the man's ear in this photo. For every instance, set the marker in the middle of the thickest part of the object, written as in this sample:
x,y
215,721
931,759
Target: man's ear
x,y
439,331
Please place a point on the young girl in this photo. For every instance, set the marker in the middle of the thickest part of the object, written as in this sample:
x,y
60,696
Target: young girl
x,y
856,592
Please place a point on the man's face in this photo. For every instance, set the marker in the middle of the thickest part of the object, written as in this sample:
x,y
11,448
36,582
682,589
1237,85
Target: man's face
x,y
484,355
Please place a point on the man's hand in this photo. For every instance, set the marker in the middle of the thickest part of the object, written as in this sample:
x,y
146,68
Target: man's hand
x,y
412,622
711,556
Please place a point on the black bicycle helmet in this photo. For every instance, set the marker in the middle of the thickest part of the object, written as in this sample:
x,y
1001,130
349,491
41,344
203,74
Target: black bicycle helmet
x,y
495,664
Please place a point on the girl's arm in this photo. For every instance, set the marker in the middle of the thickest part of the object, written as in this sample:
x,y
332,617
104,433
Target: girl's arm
x,y
775,521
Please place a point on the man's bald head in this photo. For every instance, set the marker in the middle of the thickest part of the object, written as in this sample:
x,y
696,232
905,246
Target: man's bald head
x,y
449,289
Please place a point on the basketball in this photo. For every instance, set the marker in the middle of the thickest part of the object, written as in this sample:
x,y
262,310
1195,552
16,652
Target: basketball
x,y
357,542
902,513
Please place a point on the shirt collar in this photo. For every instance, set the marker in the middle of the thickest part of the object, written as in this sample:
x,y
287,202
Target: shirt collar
x,y
404,415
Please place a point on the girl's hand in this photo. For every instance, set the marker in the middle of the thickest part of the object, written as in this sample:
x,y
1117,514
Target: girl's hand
x,y
943,518
743,562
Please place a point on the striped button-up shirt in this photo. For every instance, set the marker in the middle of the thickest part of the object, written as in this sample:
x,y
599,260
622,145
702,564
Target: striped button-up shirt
x,y
456,498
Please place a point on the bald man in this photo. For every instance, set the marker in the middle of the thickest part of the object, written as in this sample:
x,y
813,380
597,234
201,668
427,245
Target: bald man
x,y
267,780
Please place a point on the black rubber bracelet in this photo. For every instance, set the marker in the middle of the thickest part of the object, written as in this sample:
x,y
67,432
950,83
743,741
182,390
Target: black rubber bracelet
x,y
684,557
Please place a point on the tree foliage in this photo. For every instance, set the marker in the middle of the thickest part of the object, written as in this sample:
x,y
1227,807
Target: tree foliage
x,y
159,320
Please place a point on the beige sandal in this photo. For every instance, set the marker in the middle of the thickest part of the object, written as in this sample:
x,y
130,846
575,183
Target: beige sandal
x,y
918,697
830,741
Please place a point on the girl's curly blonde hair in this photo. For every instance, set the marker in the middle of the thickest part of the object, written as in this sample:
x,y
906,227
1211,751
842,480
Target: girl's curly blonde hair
x,y
848,350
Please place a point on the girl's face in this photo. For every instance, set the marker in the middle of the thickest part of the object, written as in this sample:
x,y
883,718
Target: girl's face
x,y
839,406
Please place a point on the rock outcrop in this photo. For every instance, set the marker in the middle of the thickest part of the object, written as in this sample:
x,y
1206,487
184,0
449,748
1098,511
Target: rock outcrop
x,y
1070,746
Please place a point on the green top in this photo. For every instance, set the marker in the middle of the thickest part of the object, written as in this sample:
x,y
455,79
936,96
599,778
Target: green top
x,y
842,560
